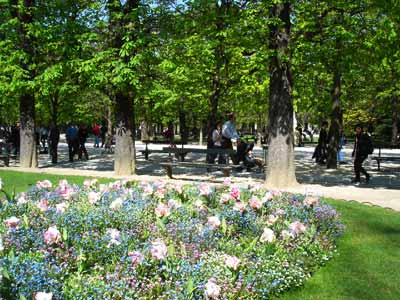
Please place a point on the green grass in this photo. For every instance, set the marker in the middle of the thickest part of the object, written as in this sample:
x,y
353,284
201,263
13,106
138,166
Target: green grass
x,y
367,266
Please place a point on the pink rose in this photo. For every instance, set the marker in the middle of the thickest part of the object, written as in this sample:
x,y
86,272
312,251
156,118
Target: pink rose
x,y
234,192
12,222
137,257
43,296
162,210
148,190
214,222
178,187
52,235
239,206
205,189
255,203
227,181
232,262
66,192
161,192
310,201
212,290
158,250
43,205
225,198
297,227
44,184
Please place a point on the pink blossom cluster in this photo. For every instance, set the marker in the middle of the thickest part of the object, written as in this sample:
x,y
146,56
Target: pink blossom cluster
x,y
52,235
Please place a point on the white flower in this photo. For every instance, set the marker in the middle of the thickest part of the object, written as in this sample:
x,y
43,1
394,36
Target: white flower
x,y
116,204
1,184
199,204
272,219
52,235
12,222
172,203
43,296
158,250
268,236
214,222
1,244
232,261
212,290
93,197
61,207
21,199
114,235
162,210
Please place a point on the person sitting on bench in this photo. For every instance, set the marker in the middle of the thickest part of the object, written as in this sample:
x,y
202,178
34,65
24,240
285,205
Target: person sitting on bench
x,y
230,136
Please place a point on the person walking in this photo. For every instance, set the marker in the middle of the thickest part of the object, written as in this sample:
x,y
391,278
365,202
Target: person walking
x,y
96,133
82,136
103,133
72,140
230,136
53,139
320,150
362,148
216,143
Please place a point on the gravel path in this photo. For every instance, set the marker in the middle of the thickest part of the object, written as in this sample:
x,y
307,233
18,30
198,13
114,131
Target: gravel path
x,y
383,190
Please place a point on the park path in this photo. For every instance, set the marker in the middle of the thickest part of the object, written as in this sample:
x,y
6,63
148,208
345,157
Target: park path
x,y
384,189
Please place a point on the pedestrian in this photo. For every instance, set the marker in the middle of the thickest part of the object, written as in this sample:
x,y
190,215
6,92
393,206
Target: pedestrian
x,y
103,133
230,136
216,143
72,140
53,139
362,148
96,132
44,134
15,138
342,142
82,136
321,149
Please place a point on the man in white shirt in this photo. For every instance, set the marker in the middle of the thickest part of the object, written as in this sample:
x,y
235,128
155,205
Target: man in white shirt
x,y
230,135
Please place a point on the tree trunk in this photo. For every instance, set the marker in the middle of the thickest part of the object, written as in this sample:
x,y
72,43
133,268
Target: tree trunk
x,y
184,130
336,122
28,151
124,158
395,119
280,169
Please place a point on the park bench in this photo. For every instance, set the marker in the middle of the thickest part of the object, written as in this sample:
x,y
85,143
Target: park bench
x,y
148,151
379,159
182,152
5,155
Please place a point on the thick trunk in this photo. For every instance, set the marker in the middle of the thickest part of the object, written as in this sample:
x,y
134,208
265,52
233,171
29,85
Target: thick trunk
x,y
28,151
124,158
184,130
336,123
395,120
280,170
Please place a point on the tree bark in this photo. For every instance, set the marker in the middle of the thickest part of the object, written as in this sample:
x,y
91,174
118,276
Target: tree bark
x,y
395,120
28,151
280,167
184,130
124,158
336,122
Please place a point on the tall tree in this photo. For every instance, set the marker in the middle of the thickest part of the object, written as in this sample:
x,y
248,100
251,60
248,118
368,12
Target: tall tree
x,y
280,170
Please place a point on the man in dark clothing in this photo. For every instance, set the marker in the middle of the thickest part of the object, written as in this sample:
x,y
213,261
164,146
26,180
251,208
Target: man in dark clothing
x,y
15,139
82,136
72,140
103,132
362,147
320,150
54,138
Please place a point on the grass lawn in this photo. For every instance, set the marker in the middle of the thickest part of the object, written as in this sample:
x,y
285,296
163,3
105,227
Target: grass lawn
x,y
366,268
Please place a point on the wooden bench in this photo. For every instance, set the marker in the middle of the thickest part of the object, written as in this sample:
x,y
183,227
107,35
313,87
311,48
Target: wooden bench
x,y
148,151
224,167
182,152
386,158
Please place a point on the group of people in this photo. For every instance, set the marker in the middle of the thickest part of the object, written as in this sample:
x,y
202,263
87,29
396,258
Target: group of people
x,y
76,139
363,146
224,136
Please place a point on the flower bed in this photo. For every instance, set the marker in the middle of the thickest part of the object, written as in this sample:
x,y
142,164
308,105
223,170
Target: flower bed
x,y
130,240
